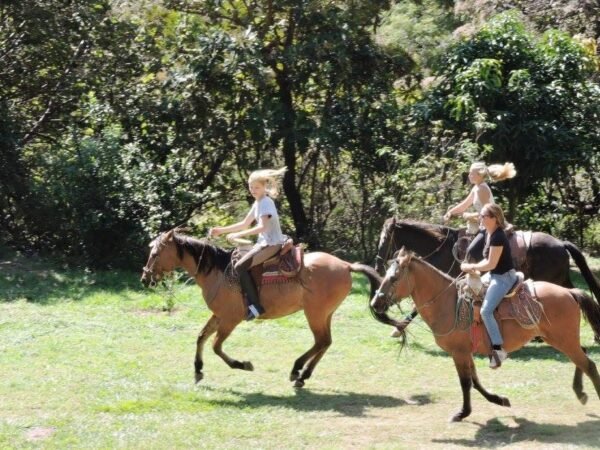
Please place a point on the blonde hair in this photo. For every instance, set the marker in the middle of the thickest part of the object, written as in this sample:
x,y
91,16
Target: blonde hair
x,y
269,177
494,210
496,172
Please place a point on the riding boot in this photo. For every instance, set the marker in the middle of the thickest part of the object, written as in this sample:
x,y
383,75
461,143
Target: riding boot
x,y
251,294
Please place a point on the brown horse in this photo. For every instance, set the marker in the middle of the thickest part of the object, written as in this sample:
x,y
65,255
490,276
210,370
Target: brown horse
x,y
435,296
324,283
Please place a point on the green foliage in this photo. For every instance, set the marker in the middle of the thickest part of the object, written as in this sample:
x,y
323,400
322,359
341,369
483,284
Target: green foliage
x,y
121,119
530,99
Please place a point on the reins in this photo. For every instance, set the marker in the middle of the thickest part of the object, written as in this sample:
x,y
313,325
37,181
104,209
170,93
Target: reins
x,y
432,300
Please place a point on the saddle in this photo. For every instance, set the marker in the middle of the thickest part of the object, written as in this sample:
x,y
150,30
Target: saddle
x,y
520,304
284,267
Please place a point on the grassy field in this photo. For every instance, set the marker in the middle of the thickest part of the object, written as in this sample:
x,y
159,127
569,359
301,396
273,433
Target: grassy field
x,y
91,360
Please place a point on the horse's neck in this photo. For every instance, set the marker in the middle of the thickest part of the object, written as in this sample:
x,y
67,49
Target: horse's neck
x,y
433,294
210,283
416,240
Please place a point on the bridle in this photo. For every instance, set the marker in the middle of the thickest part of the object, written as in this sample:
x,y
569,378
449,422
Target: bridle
x,y
149,268
404,274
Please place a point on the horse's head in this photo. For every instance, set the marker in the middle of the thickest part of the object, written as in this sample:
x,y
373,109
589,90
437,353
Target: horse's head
x,y
163,258
395,284
385,246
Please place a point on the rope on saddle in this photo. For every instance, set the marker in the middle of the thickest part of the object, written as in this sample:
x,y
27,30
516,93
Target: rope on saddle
x,y
525,307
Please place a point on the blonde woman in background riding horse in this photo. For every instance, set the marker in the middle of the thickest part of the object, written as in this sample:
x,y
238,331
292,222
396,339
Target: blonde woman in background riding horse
x,y
264,187
479,195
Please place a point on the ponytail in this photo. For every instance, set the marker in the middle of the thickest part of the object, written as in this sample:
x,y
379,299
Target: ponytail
x,y
499,172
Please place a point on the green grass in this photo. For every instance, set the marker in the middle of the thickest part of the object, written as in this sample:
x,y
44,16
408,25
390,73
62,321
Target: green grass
x,y
91,360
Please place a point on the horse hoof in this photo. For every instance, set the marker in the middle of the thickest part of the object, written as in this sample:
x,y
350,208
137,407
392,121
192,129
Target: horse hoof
x,y
583,398
299,384
294,376
199,376
506,402
248,366
458,417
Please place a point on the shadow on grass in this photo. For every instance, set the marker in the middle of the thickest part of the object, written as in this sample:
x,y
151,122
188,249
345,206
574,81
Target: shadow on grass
x,y
529,352
494,433
345,403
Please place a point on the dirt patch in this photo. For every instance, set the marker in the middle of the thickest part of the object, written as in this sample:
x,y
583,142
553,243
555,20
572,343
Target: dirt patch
x,y
39,433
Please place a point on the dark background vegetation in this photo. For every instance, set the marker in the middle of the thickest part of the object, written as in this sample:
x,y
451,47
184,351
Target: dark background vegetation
x,y
119,119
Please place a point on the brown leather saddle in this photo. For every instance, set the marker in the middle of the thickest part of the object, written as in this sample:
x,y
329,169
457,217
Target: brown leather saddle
x,y
284,267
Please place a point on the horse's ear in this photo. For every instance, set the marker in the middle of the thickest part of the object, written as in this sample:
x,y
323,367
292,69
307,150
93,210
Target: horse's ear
x,y
169,235
402,251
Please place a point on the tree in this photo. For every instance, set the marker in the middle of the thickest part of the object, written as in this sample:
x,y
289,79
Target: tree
x,y
532,100
323,86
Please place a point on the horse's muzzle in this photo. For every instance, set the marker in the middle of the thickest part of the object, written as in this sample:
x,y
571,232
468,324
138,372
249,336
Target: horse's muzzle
x,y
379,302
147,279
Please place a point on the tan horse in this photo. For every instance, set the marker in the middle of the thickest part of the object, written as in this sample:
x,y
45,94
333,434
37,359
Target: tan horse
x,y
325,283
435,297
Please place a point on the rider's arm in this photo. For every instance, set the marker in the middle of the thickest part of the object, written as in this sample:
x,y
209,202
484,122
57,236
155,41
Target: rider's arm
x,y
462,206
259,228
488,264
234,227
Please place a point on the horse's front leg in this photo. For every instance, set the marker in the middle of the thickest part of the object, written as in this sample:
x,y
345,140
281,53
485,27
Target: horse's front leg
x,y
493,398
223,331
209,328
462,362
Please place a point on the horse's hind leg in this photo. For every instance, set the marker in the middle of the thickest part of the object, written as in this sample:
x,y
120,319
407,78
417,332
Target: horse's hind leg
x,y
209,328
584,364
305,365
592,372
493,398
223,332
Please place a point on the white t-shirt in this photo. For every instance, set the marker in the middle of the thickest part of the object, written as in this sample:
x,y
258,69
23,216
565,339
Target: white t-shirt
x,y
272,234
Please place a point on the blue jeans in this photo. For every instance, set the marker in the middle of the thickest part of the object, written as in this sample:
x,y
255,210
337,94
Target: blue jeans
x,y
500,284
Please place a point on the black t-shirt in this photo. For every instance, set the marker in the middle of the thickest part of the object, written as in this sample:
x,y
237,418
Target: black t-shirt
x,y
499,239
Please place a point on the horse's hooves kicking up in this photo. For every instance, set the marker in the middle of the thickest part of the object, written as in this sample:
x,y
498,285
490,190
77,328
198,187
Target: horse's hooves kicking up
x,y
506,402
247,365
199,376
299,384
583,398
294,376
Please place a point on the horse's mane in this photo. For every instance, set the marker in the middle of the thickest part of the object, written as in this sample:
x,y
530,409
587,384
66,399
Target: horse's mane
x,y
437,232
417,258
212,256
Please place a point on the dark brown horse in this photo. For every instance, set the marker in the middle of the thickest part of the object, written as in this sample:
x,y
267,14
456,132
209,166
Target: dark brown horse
x,y
435,296
325,281
547,258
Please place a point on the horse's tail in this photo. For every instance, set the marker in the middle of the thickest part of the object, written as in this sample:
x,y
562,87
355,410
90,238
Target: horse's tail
x,y
375,279
587,274
590,309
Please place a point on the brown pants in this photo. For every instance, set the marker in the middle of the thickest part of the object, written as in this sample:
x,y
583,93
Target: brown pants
x,y
257,255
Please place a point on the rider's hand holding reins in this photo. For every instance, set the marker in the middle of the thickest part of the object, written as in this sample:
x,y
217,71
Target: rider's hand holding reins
x,y
468,268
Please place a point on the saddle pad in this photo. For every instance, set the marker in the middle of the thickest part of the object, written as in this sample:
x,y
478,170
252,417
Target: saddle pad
x,y
523,307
